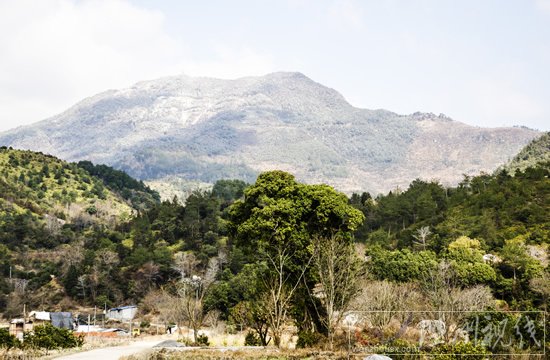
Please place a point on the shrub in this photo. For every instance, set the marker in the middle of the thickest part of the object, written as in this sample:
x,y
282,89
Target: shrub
x,y
400,349
460,350
7,340
92,210
202,340
252,339
144,324
308,339
50,337
186,341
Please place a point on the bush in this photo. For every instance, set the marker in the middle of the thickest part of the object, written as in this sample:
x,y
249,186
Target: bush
x,y
252,339
202,340
50,337
92,210
400,349
460,350
7,340
186,341
308,339
144,324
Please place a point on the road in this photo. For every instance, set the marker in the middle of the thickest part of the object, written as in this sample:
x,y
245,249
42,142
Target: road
x,y
112,353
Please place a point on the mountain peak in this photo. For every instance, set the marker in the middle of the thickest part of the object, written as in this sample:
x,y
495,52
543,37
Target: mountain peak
x,y
203,129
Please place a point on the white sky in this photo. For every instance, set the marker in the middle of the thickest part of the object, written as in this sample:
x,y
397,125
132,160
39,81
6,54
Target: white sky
x,y
484,62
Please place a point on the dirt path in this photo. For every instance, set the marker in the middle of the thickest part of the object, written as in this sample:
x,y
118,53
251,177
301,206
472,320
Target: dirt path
x,y
112,353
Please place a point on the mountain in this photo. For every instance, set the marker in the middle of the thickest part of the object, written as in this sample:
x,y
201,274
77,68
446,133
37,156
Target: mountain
x,y
202,129
536,152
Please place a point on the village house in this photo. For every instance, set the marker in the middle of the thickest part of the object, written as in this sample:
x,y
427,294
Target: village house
x,y
122,313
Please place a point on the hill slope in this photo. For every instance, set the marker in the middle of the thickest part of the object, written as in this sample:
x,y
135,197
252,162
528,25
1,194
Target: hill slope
x,y
43,193
52,214
203,129
536,152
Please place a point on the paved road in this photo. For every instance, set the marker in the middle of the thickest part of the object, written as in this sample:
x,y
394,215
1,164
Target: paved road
x,y
112,353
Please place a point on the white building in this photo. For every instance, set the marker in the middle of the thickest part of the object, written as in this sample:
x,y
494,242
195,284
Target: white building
x,y
122,313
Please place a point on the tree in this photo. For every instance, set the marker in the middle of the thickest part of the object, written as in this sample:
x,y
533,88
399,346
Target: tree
x,y
466,261
541,285
382,301
465,249
339,271
448,301
280,287
229,190
514,254
421,236
253,314
400,265
275,225
70,281
191,291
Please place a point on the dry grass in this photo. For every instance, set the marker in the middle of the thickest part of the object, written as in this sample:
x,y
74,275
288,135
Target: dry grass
x,y
218,337
89,344
238,354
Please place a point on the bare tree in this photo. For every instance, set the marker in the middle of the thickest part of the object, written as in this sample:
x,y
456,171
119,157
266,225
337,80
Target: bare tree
x,y
82,284
421,236
339,270
146,276
53,224
164,302
191,292
185,263
70,255
17,299
19,285
381,302
450,303
280,287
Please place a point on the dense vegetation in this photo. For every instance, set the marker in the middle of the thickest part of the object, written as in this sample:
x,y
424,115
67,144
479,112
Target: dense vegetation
x,y
139,195
43,337
507,216
536,152
48,209
257,255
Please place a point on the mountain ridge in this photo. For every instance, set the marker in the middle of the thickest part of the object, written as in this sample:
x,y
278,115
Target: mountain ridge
x,y
204,129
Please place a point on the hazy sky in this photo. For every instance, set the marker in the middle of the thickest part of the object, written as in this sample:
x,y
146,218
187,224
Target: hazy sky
x,y
482,62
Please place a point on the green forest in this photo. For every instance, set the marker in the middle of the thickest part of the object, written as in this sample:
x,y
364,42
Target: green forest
x,y
276,252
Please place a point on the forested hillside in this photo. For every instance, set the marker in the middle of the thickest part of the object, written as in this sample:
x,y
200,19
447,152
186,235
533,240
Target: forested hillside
x,y
48,208
136,192
537,151
504,217
223,253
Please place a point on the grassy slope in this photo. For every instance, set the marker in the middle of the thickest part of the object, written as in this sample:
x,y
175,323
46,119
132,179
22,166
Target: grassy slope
x,y
46,186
